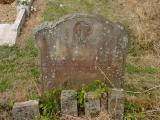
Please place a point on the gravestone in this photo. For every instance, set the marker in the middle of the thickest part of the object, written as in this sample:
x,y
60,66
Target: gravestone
x,y
28,110
81,48
92,105
116,104
69,103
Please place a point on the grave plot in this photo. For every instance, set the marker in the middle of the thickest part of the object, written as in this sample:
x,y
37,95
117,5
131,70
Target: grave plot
x,y
9,32
76,51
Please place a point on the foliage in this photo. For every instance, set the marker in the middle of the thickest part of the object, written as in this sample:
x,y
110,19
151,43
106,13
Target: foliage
x,y
134,111
50,101
98,87
24,2
50,105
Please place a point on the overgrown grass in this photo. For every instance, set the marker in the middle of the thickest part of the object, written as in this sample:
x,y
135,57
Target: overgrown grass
x,y
18,64
134,111
50,100
50,105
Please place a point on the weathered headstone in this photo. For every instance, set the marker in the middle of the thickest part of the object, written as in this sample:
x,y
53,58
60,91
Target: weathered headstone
x,y
69,103
116,104
79,49
92,105
26,110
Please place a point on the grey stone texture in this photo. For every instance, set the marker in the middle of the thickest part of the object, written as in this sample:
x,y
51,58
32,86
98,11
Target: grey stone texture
x,y
9,32
116,104
69,103
27,7
81,48
28,110
7,35
92,105
20,19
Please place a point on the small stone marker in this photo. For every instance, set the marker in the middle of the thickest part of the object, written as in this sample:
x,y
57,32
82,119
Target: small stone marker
x,y
69,103
26,110
116,104
92,105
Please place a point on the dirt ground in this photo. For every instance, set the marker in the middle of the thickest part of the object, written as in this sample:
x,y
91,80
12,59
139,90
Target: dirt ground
x,y
7,13
6,1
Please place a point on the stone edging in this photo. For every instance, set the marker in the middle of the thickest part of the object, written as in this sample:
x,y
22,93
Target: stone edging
x,y
9,32
115,101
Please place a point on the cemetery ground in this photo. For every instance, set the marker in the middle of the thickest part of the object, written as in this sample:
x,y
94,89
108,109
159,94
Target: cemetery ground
x,y
7,12
19,64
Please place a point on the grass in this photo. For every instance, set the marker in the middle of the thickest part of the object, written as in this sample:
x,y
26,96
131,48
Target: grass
x,y
18,66
5,84
132,69
59,8
134,111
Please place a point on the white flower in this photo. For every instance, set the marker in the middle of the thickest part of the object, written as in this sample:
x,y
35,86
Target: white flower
x,y
61,5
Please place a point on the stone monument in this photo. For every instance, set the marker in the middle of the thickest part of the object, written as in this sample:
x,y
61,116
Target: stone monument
x,y
81,48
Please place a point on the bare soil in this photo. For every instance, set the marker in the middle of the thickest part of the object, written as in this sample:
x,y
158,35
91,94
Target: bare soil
x,y
7,12
6,1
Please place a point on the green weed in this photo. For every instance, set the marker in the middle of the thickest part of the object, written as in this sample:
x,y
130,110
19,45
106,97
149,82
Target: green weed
x,y
134,111
98,87
50,104
131,69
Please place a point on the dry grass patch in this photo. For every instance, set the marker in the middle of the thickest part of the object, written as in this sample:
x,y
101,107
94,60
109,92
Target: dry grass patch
x,y
143,17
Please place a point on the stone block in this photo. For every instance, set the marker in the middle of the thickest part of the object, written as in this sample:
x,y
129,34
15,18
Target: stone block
x,y
7,35
69,103
116,104
92,105
28,110
26,7
17,26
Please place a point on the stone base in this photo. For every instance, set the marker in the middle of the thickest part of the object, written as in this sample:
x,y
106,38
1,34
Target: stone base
x,y
116,104
7,35
26,110
69,103
92,105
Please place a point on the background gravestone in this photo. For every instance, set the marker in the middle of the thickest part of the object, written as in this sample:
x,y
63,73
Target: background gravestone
x,y
79,49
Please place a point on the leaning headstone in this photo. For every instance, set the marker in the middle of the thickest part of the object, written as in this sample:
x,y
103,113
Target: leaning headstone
x,y
79,49
116,104
92,105
26,110
69,103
